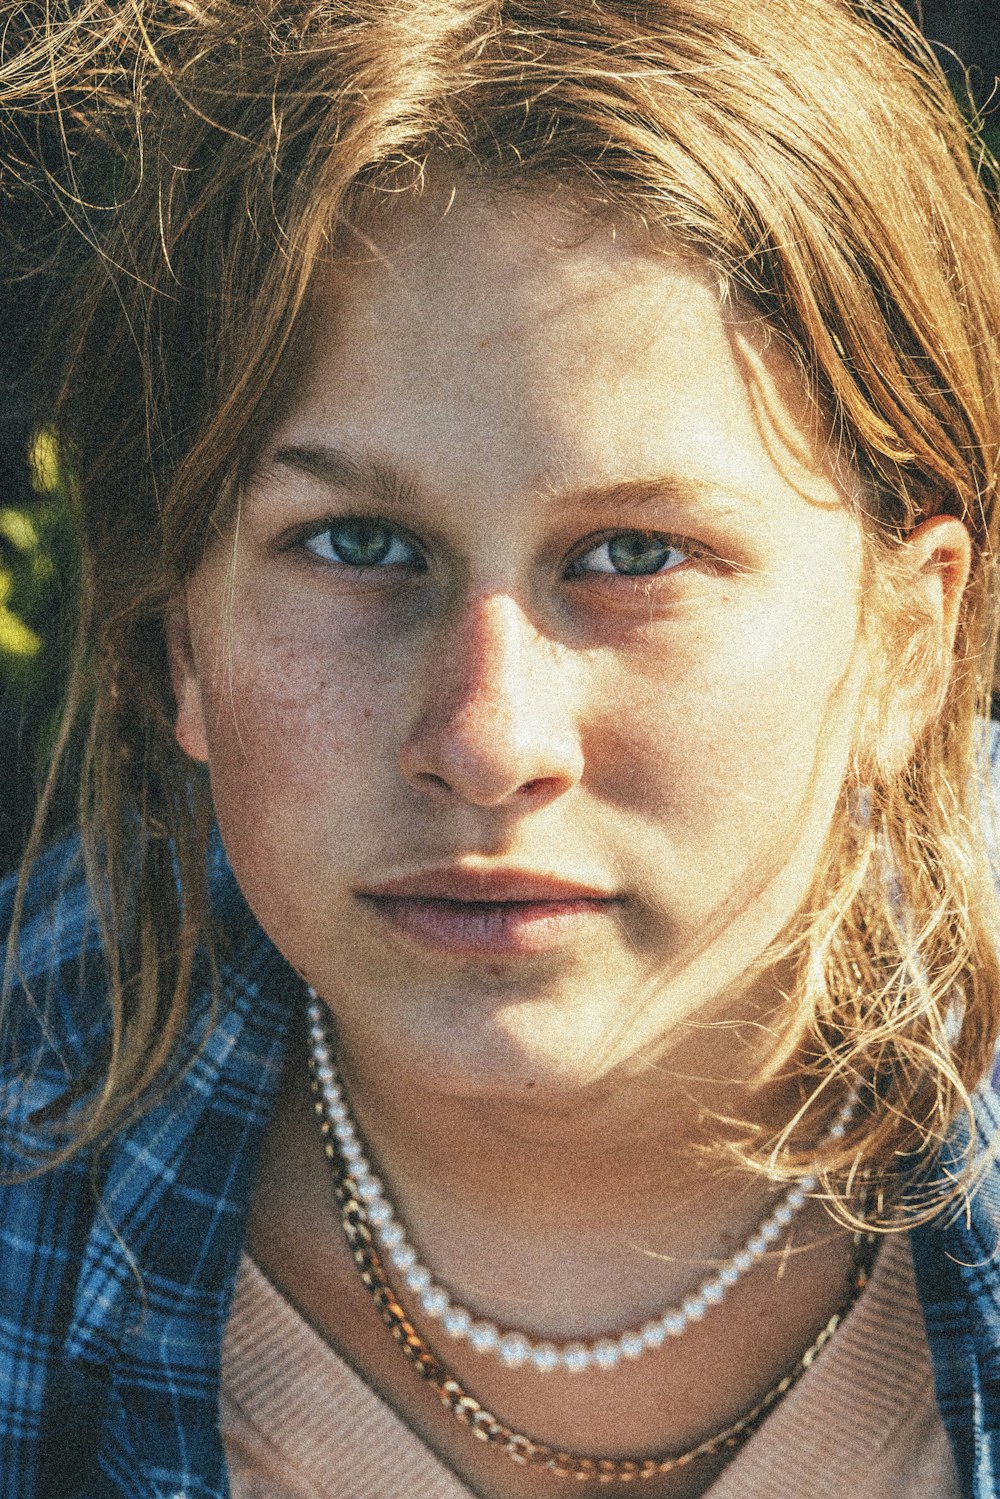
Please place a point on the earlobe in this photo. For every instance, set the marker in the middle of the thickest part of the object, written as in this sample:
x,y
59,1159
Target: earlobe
x,y
189,724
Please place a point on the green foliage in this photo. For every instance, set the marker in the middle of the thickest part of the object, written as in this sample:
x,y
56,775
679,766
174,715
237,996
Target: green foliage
x,y
38,577
16,640
37,571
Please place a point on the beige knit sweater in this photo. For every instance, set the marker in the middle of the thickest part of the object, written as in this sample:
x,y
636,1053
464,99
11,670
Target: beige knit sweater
x,y
298,1423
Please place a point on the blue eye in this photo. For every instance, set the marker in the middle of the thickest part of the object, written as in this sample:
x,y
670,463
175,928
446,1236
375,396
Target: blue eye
x,y
631,554
358,542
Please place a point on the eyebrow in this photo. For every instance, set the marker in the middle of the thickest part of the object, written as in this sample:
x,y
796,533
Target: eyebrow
x,y
369,478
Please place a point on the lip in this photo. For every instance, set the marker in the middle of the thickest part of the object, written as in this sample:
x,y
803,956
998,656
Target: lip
x,y
490,885
490,913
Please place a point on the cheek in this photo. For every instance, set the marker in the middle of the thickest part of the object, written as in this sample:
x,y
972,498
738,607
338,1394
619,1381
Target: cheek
x,y
740,734
297,745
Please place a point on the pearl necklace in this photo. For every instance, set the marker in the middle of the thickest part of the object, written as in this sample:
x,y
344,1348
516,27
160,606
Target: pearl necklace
x,y
511,1347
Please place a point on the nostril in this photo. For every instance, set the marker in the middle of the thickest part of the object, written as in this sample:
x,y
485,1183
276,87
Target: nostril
x,y
438,782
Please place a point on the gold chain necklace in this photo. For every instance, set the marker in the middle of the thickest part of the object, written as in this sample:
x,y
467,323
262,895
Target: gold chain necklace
x,y
488,1428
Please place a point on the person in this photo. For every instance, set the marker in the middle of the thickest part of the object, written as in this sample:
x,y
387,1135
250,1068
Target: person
x,y
526,970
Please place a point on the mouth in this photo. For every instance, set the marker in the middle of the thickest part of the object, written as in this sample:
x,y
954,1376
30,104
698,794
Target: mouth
x,y
499,913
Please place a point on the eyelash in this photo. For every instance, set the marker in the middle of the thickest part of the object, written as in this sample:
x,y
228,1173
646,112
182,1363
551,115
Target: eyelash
x,y
686,549
361,522
670,544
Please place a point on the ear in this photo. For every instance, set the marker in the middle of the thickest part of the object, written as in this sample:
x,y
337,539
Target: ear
x,y
933,569
189,725
939,552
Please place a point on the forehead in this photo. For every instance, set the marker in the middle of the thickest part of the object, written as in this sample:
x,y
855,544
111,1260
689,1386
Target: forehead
x,y
487,243
543,345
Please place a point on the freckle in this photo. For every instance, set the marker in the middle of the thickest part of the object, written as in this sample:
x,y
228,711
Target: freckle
x,y
484,343
530,1083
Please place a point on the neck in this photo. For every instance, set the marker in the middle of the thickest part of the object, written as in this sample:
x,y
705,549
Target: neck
x,y
613,1195
567,1220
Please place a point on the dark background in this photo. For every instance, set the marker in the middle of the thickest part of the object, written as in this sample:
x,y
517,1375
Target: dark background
x,y
37,554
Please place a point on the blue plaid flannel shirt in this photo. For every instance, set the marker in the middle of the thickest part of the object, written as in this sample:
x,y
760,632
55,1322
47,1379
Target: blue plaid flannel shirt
x,y
116,1275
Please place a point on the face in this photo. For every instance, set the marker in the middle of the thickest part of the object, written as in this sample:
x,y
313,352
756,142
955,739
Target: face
x,y
529,676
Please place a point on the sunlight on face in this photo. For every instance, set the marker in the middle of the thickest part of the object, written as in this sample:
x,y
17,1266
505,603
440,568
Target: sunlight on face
x,y
536,698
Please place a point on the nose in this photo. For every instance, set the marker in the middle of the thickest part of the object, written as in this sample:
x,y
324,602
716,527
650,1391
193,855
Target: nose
x,y
496,721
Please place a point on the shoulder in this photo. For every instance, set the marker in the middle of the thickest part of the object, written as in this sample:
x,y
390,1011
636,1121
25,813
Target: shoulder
x,y
55,964
55,1018
160,1207
56,917
957,1264
56,1023
53,1012
47,1035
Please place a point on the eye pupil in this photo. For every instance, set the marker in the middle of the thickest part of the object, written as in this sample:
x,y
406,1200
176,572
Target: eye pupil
x,y
638,553
361,543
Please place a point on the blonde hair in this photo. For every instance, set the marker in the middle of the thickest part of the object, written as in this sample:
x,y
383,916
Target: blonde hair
x,y
808,150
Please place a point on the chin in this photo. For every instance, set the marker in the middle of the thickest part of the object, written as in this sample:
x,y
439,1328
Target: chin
x,y
519,1050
